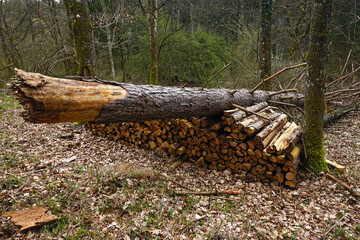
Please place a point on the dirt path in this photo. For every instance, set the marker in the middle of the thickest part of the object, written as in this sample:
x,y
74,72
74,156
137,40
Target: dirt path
x,y
102,189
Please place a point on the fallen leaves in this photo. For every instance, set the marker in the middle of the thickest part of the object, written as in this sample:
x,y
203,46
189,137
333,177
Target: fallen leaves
x,y
102,189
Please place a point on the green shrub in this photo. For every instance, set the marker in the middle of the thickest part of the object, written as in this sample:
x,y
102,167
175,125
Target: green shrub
x,y
184,58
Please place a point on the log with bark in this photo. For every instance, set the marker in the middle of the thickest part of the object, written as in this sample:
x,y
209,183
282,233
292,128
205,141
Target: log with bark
x,y
74,99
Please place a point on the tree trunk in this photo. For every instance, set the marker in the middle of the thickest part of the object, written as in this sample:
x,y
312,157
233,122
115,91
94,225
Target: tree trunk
x,y
109,42
315,86
152,14
265,42
83,38
72,38
50,100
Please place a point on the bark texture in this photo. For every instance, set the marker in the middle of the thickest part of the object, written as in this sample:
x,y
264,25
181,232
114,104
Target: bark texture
x,y
49,99
152,15
315,86
72,38
265,42
82,30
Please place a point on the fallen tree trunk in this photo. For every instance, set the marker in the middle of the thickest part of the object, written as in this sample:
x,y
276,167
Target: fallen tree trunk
x,y
333,116
50,100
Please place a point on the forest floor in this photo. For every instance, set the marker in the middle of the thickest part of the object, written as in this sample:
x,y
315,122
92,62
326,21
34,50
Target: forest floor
x,y
104,190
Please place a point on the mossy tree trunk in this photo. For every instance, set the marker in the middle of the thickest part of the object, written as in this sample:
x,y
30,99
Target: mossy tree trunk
x,y
152,15
75,63
315,85
83,38
265,42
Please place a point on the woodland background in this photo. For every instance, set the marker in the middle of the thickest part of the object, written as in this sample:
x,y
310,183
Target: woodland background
x,y
195,39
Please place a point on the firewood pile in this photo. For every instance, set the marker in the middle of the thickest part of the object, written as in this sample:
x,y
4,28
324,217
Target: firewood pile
x,y
256,139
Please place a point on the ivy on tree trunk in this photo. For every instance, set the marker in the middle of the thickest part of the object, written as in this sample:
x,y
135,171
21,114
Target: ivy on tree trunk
x,y
315,85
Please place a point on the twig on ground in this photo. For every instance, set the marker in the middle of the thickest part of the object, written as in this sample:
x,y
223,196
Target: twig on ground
x,y
276,74
334,225
347,187
173,181
192,221
210,193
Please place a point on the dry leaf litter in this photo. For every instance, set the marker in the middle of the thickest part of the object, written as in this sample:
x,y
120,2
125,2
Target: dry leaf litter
x,y
102,189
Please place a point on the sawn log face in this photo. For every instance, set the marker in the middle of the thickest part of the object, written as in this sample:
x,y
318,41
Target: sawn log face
x,y
50,100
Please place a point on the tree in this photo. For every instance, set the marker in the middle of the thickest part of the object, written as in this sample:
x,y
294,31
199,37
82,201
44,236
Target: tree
x,y
75,63
265,42
315,85
83,38
151,9
108,36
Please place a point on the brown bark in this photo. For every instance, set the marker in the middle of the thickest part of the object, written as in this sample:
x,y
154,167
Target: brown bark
x,y
50,100
265,42
315,85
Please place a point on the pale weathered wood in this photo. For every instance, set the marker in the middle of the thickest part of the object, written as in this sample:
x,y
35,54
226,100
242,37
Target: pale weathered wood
x,y
339,167
292,134
294,154
277,123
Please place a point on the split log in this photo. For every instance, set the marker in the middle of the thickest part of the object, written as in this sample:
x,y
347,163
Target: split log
x,y
279,122
51,100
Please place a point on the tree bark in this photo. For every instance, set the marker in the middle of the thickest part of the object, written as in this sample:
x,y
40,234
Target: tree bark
x,y
152,15
109,42
72,38
265,42
82,29
50,100
315,86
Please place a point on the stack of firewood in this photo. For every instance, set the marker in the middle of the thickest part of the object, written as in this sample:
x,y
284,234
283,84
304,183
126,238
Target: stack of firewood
x,y
256,139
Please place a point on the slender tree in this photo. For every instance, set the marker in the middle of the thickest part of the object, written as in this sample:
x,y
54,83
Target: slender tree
x,y
152,18
317,58
108,37
75,63
265,42
83,38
